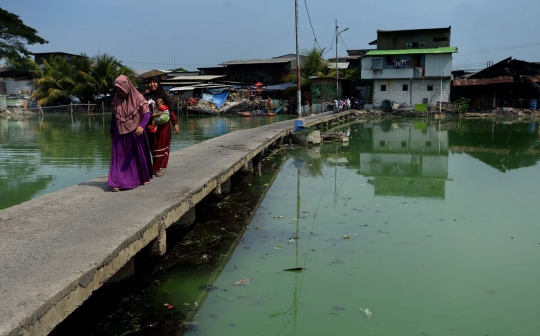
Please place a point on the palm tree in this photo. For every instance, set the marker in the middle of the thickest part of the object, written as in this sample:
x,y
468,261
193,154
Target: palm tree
x,y
85,84
54,82
105,70
313,64
58,79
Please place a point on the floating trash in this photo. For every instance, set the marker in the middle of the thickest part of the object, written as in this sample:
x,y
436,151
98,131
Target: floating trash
x,y
225,297
243,282
168,306
291,241
366,311
346,237
279,246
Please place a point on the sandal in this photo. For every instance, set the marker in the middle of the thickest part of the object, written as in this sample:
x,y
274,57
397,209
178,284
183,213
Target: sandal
x,y
115,189
145,183
158,174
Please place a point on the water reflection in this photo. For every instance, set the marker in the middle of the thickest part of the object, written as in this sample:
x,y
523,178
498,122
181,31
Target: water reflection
x,y
45,153
407,159
503,145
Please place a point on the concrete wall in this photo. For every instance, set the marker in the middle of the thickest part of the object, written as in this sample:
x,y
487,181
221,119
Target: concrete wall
x,y
399,39
387,73
436,65
419,89
16,86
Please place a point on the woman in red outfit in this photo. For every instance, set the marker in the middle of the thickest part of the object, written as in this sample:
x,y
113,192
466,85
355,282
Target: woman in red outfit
x,y
160,142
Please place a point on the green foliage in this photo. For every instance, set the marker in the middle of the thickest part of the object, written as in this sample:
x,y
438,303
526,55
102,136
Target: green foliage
x,y
178,70
15,35
85,76
54,82
19,63
354,75
463,105
313,64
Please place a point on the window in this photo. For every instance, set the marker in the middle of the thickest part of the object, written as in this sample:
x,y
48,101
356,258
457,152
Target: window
x,y
382,143
389,60
428,144
383,87
440,39
430,87
415,44
444,39
403,144
405,87
436,39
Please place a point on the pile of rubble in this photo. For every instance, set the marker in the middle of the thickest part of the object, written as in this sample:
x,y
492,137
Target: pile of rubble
x,y
227,107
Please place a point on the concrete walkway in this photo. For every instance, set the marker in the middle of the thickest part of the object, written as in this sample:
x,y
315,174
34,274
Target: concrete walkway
x,y
57,249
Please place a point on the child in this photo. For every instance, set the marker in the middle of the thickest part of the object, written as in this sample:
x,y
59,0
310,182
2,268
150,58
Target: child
x,y
161,117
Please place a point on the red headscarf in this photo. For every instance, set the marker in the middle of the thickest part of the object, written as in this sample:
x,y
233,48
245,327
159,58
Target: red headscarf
x,y
127,110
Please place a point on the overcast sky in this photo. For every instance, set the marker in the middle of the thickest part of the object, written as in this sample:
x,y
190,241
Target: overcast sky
x,y
159,34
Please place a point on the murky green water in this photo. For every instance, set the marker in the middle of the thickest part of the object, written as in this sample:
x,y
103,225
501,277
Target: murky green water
x,y
431,226
42,154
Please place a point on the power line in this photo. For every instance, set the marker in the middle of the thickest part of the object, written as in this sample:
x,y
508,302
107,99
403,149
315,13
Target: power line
x,y
343,42
331,44
313,30
498,49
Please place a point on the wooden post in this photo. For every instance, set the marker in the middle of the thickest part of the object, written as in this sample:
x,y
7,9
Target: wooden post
x,y
71,107
88,108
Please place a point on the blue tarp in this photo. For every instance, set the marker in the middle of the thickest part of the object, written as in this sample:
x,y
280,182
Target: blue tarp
x,y
217,99
216,91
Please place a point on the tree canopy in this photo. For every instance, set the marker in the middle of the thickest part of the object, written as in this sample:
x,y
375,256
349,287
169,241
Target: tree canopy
x,y
15,35
57,80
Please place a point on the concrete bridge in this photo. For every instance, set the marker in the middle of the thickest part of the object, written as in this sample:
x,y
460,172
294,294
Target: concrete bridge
x,y
57,249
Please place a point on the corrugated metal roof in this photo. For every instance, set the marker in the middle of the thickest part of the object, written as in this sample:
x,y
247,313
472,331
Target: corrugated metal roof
x,y
183,88
259,61
444,50
402,30
341,65
192,78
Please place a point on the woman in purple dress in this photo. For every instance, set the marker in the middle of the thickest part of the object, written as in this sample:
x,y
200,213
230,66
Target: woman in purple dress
x,y
131,163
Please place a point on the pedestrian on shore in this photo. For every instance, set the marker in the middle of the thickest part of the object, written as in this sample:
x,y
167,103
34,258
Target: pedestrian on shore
x,y
269,104
130,155
160,142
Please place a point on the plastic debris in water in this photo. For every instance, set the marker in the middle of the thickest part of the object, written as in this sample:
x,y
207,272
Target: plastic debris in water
x,y
168,306
280,217
279,246
366,311
291,241
346,237
242,282
186,304
225,297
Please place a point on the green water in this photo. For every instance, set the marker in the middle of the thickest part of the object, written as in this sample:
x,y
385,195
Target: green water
x,y
42,154
431,226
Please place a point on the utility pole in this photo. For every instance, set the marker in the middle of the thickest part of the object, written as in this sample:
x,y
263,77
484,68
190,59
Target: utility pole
x,y
298,87
337,72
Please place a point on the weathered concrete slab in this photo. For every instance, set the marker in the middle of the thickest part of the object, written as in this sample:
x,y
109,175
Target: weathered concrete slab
x,y
57,249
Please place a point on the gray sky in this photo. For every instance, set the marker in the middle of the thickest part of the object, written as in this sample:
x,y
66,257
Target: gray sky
x,y
194,33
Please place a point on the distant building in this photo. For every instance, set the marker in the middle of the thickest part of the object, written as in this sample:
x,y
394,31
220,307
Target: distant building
x,y
265,70
508,83
409,66
39,57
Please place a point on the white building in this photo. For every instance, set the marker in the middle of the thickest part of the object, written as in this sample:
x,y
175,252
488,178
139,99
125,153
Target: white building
x,y
410,66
